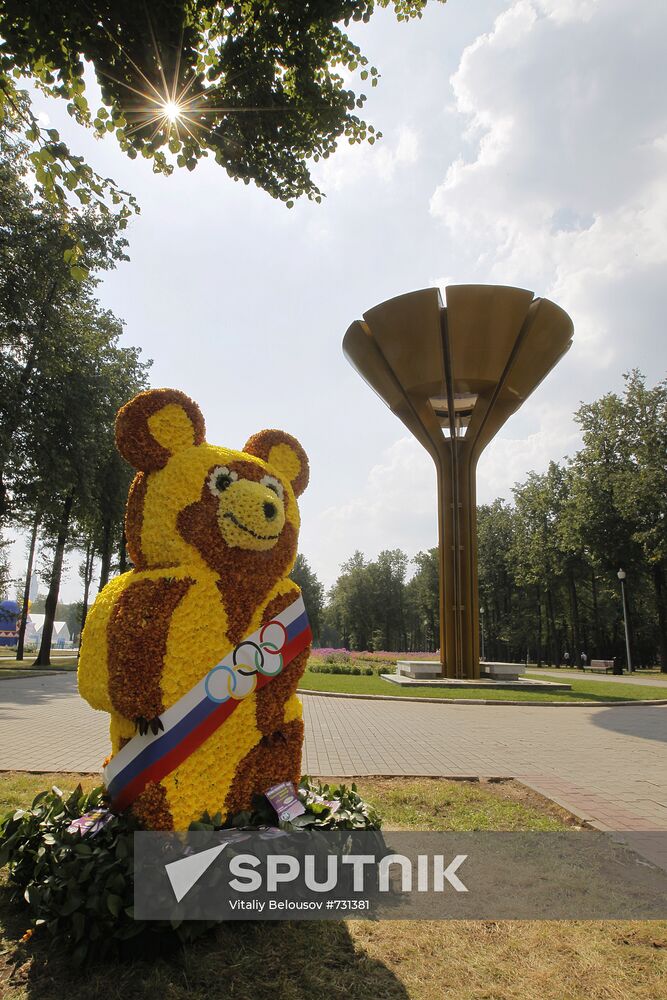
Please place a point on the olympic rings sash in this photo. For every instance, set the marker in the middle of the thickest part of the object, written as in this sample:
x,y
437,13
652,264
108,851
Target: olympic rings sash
x,y
251,665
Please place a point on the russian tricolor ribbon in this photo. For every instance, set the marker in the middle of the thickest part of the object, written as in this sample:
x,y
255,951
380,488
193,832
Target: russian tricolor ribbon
x,y
193,718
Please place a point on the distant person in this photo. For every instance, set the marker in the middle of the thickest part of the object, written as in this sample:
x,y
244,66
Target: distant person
x,y
566,659
584,661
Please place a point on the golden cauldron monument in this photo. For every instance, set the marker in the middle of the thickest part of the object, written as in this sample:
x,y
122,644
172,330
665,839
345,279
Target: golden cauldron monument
x,y
453,374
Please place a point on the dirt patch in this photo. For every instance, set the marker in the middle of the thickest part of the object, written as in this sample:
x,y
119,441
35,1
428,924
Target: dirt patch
x,y
514,791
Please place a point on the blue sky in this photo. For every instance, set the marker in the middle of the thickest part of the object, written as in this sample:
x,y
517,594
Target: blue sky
x,y
524,143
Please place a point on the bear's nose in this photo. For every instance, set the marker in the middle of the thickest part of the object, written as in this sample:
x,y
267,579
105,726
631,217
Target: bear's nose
x,y
270,511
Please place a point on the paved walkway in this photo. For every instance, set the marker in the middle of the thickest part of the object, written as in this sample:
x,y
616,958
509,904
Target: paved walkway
x,y
653,680
606,765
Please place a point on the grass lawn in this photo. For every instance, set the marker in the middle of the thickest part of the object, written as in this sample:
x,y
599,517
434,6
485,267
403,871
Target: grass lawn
x,y
582,690
365,960
19,667
576,671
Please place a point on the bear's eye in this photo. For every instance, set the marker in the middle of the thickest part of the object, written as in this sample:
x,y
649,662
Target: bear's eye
x,y
272,484
220,479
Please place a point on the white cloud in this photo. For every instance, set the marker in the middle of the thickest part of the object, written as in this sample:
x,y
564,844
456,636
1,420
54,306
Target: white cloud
x,y
569,10
354,163
508,460
560,185
397,505
545,132
395,508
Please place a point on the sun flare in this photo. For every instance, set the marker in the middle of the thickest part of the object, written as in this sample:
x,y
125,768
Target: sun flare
x,y
172,111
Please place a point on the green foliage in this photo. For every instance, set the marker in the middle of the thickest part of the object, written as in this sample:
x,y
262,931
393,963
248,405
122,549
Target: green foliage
x,y
593,690
5,571
619,504
62,179
367,606
548,561
423,601
625,444
334,667
63,372
353,812
261,86
80,889
312,592
372,605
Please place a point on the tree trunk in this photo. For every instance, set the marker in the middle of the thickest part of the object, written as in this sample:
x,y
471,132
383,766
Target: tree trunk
x,y
122,554
539,628
661,601
44,655
574,612
553,655
631,629
87,580
11,422
597,628
105,555
26,589
498,626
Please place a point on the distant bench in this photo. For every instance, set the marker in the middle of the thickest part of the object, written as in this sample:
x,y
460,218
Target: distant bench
x,y
600,666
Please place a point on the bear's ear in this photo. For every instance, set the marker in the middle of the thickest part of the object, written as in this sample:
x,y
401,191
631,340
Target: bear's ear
x,y
285,454
155,425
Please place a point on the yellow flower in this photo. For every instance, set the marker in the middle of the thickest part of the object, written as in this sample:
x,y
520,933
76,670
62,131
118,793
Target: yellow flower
x,y
212,533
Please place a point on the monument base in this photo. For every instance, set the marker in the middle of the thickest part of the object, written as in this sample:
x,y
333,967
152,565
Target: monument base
x,y
428,673
419,669
502,671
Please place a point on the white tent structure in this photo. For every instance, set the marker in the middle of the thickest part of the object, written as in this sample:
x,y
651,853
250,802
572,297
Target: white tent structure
x,y
33,631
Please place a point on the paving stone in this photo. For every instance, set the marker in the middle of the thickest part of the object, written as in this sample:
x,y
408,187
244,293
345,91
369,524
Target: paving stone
x,y
604,763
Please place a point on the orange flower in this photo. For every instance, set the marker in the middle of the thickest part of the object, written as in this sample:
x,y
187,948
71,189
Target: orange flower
x,y
212,533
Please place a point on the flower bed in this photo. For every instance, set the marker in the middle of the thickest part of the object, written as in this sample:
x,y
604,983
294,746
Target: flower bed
x,y
329,660
72,861
373,656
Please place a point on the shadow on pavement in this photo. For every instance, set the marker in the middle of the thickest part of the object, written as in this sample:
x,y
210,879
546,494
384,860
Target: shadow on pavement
x,y
648,723
16,692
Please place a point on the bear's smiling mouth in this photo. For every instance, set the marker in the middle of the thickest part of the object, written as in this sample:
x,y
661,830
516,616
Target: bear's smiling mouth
x,y
243,527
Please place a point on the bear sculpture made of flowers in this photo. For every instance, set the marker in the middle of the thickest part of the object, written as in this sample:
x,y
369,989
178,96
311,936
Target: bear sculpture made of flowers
x,y
186,652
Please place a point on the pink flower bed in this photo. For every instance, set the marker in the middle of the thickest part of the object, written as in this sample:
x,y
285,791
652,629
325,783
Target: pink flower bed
x,y
378,654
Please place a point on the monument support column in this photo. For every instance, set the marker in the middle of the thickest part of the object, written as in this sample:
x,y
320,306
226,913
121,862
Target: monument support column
x,y
457,527
453,375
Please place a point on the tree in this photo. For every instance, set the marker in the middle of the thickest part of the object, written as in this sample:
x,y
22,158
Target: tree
x,y
257,85
498,594
537,555
86,573
423,602
623,493
350,604
68,437
25,592
547,563
368,606
313,594
5,576
62,374
38,295
387,575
